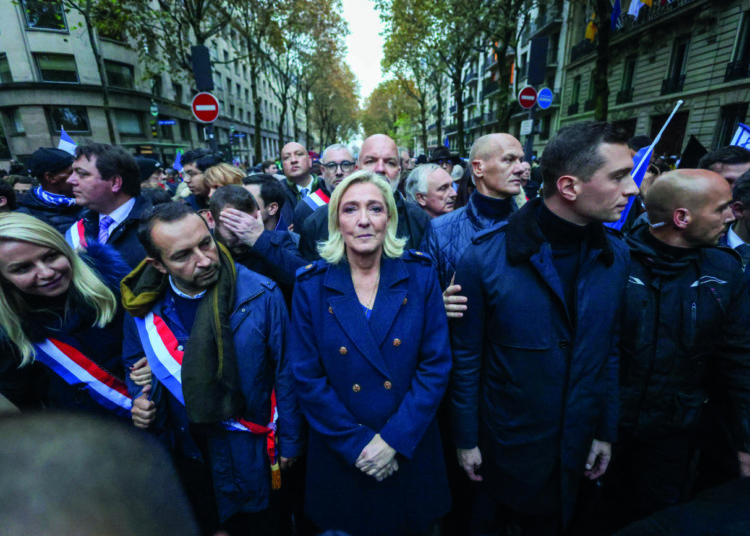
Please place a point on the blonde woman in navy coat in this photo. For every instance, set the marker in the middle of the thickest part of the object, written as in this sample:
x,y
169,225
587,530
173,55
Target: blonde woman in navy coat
x,y
371,358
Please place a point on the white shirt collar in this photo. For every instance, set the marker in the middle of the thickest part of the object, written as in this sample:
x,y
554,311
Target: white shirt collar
x,y
733,240
182,294
120,214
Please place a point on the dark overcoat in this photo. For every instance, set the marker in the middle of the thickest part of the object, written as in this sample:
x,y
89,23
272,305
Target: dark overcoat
x,y
532,386
356,378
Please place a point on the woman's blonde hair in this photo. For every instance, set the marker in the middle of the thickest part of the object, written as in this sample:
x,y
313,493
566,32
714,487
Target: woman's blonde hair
x,y
85,282
333,250
223,174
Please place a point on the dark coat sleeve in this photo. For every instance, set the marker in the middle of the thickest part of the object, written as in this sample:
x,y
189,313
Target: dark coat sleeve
x,y
467,340
280,255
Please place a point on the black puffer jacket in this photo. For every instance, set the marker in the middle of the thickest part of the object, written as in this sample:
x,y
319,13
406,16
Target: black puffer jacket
x,y
685,336
61,218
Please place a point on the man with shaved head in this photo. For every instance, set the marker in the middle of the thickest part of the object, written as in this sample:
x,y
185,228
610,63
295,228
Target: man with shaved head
x,y
496,162
380,155
684,341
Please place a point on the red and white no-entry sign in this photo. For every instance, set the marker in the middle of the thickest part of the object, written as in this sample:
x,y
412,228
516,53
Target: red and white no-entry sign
x,y
527,97
205,107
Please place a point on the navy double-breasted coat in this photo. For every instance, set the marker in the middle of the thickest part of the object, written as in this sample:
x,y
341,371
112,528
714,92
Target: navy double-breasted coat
x,y
357,377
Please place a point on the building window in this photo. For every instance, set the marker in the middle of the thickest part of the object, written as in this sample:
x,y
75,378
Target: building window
x,y
575,96
731,116
739,67
4,145
71,118
44,14
166,132
156,86
678,64
628,76
119,74
185,129
56,68
177,91
13,120
129,123
5,75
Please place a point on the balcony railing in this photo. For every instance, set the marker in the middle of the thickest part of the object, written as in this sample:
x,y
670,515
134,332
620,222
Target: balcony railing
x,y
489,87
583,48
589,105
624,96
471,77
452,109
573,109
737,70
672,85
656,11
450,129
432,126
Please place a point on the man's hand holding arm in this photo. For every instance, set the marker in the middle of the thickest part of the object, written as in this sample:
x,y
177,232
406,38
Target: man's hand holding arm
x,y
455,305
598,460
470,460
144,410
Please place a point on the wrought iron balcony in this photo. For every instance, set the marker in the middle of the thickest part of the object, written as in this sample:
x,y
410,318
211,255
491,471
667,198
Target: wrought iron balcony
x,y
589,105
737,70
573,109
672,84
624,96
582,49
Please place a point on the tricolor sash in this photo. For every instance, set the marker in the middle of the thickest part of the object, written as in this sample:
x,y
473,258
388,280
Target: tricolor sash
x,y
77,369
165,357
316,199
76,235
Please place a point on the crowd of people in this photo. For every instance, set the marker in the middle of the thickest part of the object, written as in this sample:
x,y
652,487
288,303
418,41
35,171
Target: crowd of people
x,y
395,346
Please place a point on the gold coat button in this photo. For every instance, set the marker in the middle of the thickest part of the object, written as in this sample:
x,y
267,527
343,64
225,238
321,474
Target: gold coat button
x,y
343,350
308,266
396,342
387,384
356,388
404,302
330,309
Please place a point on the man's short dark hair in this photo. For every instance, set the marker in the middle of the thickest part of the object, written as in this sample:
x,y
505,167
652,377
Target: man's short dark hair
x,y
636,143
166,213
575,151
193,155
741,189
267,163
113,161
271,190
6,191
731,154
234,195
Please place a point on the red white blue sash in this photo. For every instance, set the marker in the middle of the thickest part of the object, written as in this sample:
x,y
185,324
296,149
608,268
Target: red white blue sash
x,y
165,357
77,369
76,235
316,199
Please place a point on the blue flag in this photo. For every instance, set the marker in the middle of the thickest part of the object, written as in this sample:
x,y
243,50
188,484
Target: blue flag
x,y
447,143
616,10
66,143
177,165
641,160
742,136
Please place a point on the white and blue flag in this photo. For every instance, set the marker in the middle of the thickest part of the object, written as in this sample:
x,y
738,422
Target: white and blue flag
x,y
66,142
742,136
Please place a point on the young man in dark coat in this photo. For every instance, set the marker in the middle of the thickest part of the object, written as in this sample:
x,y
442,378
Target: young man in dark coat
x,y
52,201
533,391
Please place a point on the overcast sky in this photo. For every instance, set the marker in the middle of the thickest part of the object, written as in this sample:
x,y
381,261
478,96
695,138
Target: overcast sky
x,y
364,43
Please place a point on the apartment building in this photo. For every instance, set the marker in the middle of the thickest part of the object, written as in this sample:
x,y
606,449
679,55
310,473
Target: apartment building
x,y
49,80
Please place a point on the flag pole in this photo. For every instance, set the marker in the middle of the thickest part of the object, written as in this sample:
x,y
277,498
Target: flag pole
x,y
658,137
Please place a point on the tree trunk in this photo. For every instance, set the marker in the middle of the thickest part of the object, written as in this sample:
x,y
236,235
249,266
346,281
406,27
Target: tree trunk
x,y
458,89
102,75
601,84
257,113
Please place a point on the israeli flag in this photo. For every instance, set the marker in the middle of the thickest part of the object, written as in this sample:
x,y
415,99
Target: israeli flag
x,y
742,136
66,142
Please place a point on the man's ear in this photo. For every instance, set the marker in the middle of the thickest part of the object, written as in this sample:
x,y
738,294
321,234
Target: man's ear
x,y
681,218
272,209
206,215
3,200
116,184
737,208
421,199
477,168
156,264
568,187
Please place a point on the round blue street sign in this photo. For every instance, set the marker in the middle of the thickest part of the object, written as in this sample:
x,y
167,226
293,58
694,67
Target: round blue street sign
x,y
545,98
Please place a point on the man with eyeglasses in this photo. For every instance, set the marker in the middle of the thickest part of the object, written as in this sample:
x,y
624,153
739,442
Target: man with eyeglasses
x,y
336,163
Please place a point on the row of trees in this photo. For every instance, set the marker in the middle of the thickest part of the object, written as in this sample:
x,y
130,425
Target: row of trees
x,y
296,44
429,45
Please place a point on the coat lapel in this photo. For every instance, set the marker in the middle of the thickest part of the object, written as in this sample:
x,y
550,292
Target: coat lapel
x,y
389,300
349,314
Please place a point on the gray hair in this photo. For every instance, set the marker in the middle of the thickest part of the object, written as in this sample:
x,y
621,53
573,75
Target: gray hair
x,y
416,182
335,147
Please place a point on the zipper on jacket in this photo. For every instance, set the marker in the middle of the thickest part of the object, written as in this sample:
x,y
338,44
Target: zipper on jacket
x,y
693,320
